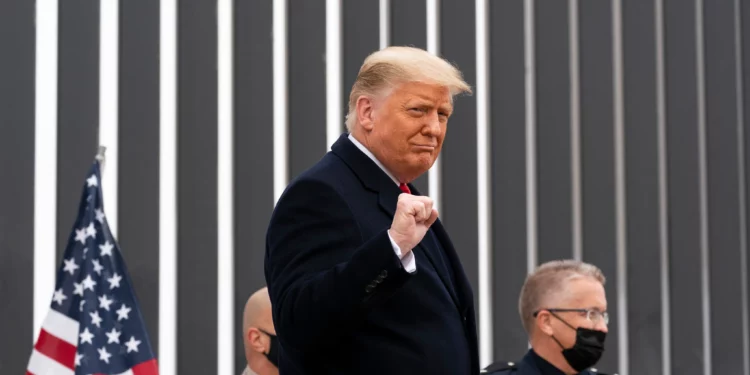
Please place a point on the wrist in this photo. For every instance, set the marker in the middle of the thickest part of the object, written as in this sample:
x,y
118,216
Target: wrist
x,y
399,241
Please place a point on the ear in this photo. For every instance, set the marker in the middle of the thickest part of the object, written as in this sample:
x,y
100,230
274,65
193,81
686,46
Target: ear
x,y
544,322
253,337
365,112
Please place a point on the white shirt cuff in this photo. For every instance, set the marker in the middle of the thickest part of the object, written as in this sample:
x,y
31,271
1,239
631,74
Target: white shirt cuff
x,y
408,261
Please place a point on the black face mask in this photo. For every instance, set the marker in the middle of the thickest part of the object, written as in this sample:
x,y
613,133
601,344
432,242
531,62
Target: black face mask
x,y
587,349
273,349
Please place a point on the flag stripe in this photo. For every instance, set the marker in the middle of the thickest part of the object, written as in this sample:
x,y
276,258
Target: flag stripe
x,y
56,349
149,367
61,326
40,364
146,368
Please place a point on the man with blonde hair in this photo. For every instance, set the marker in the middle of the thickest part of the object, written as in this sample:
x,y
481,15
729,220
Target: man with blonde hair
x,y
362,275
564,311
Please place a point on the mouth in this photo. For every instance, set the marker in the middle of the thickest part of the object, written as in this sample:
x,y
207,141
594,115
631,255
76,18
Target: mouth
x,y
425,147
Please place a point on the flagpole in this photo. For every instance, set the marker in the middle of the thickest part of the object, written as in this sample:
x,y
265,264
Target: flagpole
x,y
100,156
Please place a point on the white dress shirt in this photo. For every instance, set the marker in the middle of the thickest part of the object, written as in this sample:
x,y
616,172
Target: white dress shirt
x,y
408,261
248,371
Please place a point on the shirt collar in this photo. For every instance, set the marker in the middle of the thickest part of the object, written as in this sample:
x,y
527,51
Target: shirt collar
x,y
370,155
544,366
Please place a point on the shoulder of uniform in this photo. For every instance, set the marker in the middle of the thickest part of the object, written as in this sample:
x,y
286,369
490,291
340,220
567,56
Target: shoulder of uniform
x,y
594,371
498,367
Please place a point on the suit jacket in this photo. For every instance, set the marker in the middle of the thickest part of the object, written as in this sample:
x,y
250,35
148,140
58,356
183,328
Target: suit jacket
x,y
342,301
530,364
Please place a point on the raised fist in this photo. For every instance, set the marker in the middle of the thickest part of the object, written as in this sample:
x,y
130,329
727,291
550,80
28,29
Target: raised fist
x,y
414,216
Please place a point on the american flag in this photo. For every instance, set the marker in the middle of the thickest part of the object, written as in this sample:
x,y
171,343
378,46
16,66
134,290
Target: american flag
x,y
94,325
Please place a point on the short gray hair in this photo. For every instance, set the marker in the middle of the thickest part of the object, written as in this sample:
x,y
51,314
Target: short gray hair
x,y
392,66
550,280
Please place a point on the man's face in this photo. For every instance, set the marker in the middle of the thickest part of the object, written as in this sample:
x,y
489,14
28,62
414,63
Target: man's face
x,y
583,293
408,128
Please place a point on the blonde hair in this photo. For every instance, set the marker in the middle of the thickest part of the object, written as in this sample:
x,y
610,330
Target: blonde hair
x,y
387,68
549,281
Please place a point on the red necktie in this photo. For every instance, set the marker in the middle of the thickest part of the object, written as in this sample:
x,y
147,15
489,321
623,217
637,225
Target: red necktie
x,y
404,188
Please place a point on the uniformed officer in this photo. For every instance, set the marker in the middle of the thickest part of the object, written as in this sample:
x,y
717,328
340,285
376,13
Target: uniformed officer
x,y
563,308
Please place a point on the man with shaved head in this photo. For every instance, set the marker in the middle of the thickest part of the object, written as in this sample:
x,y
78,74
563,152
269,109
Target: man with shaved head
x,y
259,336
564,311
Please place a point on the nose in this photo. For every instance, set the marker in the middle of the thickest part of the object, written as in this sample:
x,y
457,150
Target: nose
x,y
600,325
432,124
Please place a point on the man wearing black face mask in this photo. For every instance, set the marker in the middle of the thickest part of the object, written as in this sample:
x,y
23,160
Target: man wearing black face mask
x,y
564,311
259,336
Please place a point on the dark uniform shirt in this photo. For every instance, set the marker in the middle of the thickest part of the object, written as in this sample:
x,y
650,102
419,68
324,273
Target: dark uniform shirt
x,y
530,364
